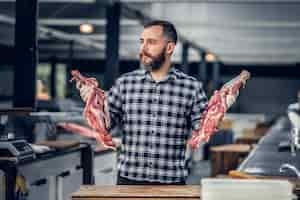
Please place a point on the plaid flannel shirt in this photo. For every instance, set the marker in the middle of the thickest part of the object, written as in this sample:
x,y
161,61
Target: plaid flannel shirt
x,y
156,120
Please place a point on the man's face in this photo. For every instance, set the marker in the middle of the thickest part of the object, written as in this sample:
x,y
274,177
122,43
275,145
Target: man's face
x,y
153,46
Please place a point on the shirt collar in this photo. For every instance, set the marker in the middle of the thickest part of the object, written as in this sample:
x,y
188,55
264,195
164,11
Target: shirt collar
x,y
172,74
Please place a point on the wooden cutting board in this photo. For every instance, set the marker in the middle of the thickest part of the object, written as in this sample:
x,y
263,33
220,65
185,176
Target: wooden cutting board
x,y
59,144
139,192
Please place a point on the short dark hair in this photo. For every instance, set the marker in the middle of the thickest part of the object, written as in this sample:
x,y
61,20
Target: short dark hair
x,y
169,30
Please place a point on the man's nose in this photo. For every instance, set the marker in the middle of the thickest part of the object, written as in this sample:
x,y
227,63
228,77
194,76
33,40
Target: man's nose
x,y
144,47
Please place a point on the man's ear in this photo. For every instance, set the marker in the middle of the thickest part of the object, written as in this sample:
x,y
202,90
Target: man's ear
x,y
170,47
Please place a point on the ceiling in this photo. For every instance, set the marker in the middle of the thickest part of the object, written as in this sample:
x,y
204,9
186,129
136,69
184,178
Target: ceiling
x,y
237,31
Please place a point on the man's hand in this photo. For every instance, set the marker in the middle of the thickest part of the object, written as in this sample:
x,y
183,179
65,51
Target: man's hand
x,y
85,91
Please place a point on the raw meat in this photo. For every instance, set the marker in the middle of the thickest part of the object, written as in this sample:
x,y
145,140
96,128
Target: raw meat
x,y
217,106
82,130
96,109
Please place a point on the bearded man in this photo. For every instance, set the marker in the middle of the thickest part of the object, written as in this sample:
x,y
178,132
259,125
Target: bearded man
x,y
156,107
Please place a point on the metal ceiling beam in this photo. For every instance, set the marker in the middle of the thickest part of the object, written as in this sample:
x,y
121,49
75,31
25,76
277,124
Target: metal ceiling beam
x,y
77,22
52,33
65,47
102,37
218,39
130,22
7,19
65,55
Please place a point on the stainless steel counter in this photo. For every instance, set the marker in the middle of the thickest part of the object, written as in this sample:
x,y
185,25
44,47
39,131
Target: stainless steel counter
x,y
266,159
50,174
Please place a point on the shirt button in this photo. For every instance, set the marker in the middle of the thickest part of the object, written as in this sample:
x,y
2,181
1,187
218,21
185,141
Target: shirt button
x,y
150,164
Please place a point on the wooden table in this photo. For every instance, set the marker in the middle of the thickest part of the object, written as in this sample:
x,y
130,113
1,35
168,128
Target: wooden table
x,y
227,157
249,139
120,192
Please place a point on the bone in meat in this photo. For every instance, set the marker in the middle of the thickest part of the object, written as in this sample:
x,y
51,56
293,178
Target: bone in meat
x,y
217,106
96,109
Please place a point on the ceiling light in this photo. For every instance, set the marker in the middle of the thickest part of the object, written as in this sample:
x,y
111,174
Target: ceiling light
x,y
210,57
86,28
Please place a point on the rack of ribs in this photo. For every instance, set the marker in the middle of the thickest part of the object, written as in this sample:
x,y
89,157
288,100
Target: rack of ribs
x,y
217,106
96,110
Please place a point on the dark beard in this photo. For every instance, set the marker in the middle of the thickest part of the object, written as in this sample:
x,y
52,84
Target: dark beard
x,y
156,62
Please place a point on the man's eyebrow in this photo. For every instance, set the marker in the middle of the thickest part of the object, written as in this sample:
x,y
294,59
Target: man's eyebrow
x,y
149,39
152,39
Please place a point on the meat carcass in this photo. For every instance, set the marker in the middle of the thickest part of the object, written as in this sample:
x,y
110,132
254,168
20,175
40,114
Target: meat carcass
x,y
217,106
82,130
96,109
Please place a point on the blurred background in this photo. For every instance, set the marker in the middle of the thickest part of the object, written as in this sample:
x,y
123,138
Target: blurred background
x,y
41,41
101,38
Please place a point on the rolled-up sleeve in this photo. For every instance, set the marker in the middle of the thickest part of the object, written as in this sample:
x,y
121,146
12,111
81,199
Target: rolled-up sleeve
x,y
198,107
